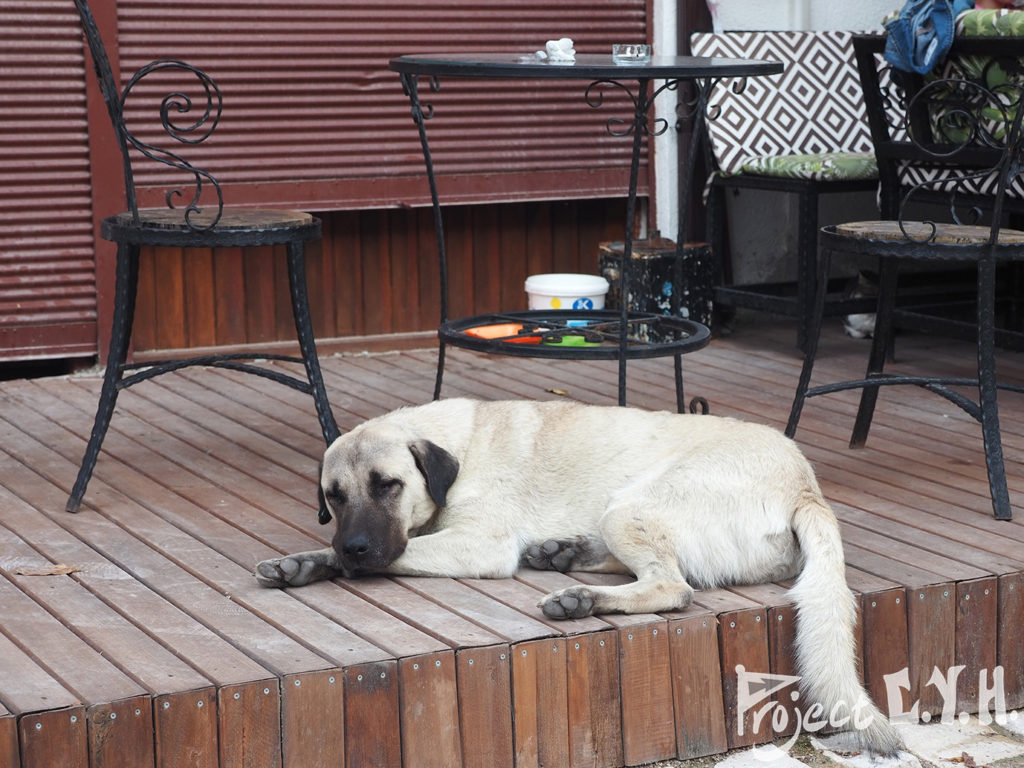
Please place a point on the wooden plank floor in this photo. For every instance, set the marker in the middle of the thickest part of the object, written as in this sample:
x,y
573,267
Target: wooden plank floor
x,y
133,633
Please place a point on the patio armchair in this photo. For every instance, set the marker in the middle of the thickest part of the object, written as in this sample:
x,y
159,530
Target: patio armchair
x,y
802,133
958,142
193,219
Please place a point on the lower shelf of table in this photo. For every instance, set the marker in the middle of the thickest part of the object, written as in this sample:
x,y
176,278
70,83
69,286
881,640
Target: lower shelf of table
x,y
576,334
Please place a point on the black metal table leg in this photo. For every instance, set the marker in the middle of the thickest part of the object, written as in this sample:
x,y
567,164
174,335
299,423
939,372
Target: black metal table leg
x,y
420,114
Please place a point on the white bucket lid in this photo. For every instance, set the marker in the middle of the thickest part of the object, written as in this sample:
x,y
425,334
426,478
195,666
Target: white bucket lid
x,y
566,284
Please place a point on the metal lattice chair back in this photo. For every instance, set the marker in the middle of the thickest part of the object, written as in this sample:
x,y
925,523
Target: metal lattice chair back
x,y
200,121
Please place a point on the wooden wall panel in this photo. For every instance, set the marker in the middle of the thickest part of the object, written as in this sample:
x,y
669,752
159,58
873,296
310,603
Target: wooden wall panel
x,y
886,651
312,718
1011,639
373,272
931,637
977,616
540,703
595,700
326,124
743,639
697,685
9,752
47,269
249,724
485,719
648,715
429,711
372,715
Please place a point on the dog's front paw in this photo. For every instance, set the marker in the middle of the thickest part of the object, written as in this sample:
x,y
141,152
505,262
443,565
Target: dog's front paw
x,y
552,555
570,603
298,569
285,572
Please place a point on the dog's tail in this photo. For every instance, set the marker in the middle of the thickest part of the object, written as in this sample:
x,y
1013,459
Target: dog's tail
x,y
826,616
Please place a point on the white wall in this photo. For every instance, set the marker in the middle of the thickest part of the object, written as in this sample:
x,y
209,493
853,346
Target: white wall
x,y
666,147
799,14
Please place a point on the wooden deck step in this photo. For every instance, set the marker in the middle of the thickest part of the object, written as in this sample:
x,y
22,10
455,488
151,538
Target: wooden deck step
x,y
135,634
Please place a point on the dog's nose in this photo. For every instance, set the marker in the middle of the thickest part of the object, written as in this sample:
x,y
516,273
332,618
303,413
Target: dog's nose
x,y
356,547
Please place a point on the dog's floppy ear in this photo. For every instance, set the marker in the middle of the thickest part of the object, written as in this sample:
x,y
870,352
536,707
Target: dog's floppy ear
x,y
438,466
323,514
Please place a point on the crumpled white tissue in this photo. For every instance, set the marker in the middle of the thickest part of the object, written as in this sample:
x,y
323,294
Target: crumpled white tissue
x,y
558,50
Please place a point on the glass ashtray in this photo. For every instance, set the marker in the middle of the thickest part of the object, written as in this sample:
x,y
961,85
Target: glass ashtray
x,y
630,53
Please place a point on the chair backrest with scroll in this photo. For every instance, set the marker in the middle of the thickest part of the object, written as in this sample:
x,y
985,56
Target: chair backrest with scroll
x,y
951,137
189,113
189,106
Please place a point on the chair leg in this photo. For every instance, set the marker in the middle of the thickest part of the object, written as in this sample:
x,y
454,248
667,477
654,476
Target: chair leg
x,y
987,391
880,345
811,342
125,289
807,263
721,269
677,364
439,377
307,343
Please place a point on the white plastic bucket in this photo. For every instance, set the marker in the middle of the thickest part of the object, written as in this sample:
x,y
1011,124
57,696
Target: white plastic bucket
x,y
562,290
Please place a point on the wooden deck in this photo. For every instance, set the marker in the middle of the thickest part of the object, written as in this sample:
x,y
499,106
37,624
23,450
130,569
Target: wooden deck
x,y
150,644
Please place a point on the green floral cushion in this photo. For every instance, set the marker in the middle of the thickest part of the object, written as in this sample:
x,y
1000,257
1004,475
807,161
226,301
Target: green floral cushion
x,y
828,166
990,23
982,23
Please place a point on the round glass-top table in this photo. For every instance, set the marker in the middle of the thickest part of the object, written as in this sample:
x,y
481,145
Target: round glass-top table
x,y
594,66
644,81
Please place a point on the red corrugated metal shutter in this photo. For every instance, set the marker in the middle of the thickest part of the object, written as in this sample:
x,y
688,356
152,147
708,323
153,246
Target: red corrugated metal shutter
x,y
47,269
314,119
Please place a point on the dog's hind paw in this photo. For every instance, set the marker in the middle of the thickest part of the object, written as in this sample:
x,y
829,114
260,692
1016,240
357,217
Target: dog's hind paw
x,y
552,555
570,603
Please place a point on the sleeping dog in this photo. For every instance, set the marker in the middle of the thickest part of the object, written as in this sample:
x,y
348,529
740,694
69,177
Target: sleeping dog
x,y
470,489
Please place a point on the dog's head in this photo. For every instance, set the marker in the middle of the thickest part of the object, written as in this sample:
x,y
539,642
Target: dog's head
x,y
381,486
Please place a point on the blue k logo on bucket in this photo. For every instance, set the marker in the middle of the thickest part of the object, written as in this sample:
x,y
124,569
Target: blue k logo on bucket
x,y
583,303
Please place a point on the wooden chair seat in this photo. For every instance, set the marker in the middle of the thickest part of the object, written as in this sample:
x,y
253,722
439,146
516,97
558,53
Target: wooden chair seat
x,y
915,232
235,227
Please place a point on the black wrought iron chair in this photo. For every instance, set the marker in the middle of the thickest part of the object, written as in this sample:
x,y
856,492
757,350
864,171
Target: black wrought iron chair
x,y
196,219
801,133
960,140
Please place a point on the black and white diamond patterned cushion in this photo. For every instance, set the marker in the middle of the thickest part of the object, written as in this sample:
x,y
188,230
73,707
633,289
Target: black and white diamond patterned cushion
x,y
814,106
936,179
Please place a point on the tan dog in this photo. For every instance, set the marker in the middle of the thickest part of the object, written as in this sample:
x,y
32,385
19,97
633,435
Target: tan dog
x,y
471,489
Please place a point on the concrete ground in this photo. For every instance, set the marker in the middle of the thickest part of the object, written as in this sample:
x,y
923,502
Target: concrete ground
x,y
964,743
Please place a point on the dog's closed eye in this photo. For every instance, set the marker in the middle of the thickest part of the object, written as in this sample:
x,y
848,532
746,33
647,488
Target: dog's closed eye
x,y
381,486
336,496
